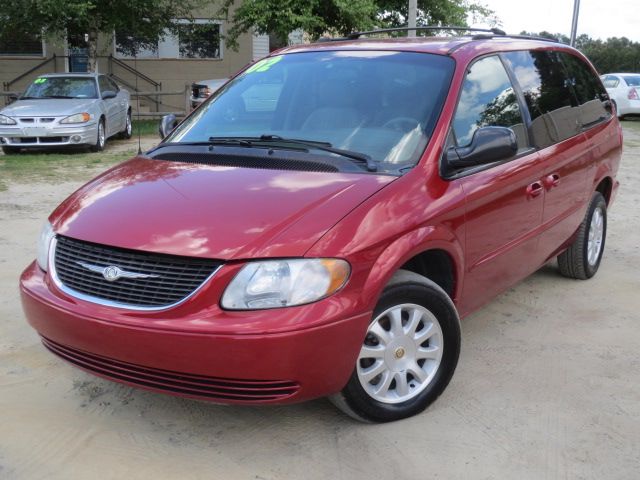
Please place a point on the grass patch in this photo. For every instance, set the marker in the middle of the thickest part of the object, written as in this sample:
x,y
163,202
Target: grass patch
x,y
55,167
145,127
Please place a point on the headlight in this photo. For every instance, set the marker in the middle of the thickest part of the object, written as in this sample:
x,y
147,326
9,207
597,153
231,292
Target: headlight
x,y
77,118
4,120
44,241
284,283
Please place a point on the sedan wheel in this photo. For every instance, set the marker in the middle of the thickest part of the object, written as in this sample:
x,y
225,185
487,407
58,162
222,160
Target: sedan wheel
x,y
101,138
128,129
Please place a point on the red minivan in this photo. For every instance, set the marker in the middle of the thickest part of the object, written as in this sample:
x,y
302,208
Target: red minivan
x,y
321,223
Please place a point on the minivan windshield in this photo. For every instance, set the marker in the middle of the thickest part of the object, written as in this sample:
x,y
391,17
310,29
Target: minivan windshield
x,y
62,87
382,104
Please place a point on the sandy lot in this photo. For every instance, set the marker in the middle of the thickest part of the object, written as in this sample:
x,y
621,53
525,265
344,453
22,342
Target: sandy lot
x,y
548,387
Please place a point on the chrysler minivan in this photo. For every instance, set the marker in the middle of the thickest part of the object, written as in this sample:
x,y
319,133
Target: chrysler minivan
x,y
320,225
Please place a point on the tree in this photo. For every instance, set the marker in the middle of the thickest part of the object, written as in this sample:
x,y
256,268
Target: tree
x,y
149,19
340,17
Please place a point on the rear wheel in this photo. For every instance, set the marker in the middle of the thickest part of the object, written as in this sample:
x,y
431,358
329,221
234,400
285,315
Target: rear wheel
x,y
128,128
408,355
101,138
10,150
582,259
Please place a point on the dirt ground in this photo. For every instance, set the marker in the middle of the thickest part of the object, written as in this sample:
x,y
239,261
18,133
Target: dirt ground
x,y
548,386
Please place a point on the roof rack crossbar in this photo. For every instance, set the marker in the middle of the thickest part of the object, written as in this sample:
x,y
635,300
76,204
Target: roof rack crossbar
x,y
356,35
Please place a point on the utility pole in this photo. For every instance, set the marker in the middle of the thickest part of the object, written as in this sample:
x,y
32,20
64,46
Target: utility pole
x,y
413,13
574,22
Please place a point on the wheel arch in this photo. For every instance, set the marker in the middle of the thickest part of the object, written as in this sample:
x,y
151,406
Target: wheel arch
x,y
605,187
433,252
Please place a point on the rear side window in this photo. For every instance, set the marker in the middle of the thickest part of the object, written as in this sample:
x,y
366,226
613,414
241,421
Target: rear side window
x,y
610,81
589,91
548,95
487,99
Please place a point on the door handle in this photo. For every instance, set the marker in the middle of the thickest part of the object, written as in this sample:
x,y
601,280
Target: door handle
x,y
551,181
534,189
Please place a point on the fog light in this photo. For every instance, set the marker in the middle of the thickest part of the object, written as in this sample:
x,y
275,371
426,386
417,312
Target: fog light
x,y
76,138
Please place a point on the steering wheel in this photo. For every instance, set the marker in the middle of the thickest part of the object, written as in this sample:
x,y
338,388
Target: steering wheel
x,y
402,124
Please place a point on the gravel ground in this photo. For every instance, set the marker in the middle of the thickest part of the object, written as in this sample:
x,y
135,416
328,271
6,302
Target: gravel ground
x,y
548,386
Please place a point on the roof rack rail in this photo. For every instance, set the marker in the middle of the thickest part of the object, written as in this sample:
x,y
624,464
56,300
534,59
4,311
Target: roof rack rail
x,y
356,35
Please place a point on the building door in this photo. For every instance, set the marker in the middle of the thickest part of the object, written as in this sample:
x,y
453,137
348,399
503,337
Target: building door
x,y
78,53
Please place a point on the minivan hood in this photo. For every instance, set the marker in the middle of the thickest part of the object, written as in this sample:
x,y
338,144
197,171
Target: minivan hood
x,y
48,107
211,211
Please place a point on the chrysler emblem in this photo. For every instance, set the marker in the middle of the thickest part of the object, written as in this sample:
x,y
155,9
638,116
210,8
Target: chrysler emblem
x,y
113,272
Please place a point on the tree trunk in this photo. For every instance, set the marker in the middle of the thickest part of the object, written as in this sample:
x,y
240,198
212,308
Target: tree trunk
x,y
93,51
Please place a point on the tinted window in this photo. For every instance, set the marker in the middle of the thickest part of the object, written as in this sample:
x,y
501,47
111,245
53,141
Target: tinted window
x,y
554,111
588,90
487,99
381,103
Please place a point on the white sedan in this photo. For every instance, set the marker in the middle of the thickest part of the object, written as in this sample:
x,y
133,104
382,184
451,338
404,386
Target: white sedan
x,y
66,109
624,90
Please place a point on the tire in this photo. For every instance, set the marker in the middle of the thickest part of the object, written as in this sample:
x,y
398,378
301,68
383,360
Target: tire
x,y
582,259
10,150
419,302
128,129
101,137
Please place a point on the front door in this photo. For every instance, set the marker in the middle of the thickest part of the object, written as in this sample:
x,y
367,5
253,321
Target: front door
x,y
504,201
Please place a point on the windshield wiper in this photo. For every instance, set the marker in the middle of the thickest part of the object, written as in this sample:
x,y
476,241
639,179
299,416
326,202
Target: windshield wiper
x,y
358,157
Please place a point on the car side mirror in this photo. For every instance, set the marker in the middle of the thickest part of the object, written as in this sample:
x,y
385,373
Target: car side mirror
x,y
12,97
488,145
167,124
107,94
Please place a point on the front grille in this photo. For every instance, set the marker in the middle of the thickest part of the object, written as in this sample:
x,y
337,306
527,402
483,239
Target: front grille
x,y
197,386
171,278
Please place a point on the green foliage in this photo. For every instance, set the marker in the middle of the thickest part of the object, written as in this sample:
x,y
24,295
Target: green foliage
x,y
149,19
340,17
608,56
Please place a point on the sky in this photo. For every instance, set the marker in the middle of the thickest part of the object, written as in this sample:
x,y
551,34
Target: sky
x,y
598,18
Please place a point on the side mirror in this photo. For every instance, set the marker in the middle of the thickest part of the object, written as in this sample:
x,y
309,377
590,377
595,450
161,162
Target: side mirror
x,y
12,97
107,94
167,124
489,144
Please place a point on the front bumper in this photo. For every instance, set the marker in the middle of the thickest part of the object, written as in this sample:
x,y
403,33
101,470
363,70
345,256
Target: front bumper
x,y
48,136
252,365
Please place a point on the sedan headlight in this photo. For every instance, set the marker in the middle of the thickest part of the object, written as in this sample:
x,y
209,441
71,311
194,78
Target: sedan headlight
x,y
44,242
284,283
77,118
4,120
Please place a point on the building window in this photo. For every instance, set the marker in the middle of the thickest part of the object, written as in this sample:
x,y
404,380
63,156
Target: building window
x,y
21,45
194,39
199,40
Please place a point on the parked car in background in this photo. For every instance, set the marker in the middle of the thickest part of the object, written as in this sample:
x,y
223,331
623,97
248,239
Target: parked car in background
x,y
320,226
624,90
202,90
59,110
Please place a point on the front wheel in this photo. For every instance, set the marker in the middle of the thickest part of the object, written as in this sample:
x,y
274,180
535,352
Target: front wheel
x,y
101,138
408,355
582,259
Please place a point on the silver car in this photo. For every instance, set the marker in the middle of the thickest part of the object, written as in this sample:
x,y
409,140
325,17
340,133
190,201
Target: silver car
x,y
203,89
66,110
